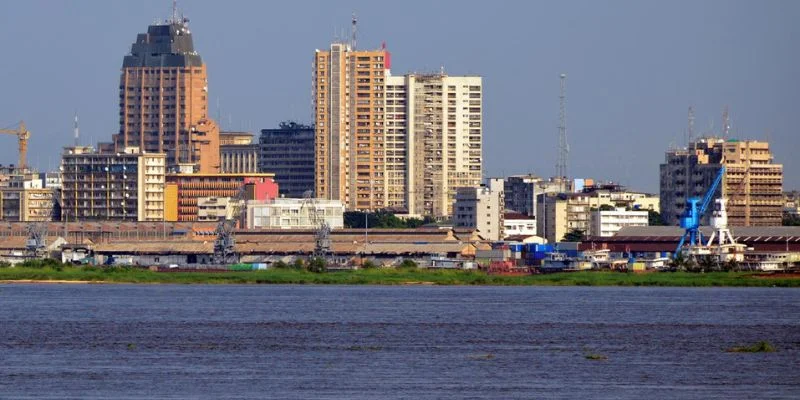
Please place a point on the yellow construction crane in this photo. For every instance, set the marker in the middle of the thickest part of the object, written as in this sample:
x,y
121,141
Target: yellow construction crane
x,y
23,135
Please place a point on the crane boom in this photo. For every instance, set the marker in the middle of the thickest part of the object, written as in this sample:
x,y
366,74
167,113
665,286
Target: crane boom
x,y
23,135
695,209
224,244
711,190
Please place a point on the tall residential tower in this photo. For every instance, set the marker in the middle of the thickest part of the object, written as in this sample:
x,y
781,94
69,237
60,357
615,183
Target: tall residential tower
x,y
394,142
163,99
349,117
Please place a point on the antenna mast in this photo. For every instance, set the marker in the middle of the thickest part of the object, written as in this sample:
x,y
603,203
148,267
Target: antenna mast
x,y
563,146
726,125
174,11
691,125
75,129
353,31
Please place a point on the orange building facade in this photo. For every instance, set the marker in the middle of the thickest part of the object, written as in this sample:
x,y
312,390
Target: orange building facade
x,y
349,115
183,191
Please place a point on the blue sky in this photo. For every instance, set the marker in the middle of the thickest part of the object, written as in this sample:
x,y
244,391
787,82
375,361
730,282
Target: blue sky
x,y
634,67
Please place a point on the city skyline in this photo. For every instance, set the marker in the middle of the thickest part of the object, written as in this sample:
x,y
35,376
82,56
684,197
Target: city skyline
x,y
633,70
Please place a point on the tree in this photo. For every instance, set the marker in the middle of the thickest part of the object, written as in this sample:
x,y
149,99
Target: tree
x,y
790,219
382,219
575,235
654,218
317,265
607,207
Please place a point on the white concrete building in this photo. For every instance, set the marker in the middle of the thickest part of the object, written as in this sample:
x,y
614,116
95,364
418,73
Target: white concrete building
x,y
285,213
481,208
515,224
607,223
212,209
434,140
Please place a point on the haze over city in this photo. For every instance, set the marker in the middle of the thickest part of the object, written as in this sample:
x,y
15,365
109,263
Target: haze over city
x,y
634,67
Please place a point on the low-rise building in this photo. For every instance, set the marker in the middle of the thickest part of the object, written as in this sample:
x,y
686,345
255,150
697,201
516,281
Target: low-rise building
x,y
481,208
26,204
212,209
521,191
566,212
286,213
516,224
608,222
183,191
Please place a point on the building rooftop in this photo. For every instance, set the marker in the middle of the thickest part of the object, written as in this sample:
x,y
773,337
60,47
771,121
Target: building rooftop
x,y
167,45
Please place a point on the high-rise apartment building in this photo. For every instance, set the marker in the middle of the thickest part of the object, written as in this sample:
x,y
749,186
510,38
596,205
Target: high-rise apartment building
x,y
288,152
402,143
752,184
163,99
434,139
348,96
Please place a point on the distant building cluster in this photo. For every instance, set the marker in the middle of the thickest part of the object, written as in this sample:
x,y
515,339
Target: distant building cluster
x,y
752,183
410,144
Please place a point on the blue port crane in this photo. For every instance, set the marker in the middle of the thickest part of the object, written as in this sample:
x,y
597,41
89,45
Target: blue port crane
x,y
695,209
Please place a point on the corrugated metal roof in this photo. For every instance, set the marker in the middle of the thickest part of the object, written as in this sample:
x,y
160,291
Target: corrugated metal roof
x,y
741,231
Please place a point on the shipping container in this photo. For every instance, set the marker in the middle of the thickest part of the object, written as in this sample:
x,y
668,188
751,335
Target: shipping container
x,y
568,245
517,248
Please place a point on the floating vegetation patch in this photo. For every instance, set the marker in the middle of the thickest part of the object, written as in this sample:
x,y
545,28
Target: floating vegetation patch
x,y
365,348
760,347
596,357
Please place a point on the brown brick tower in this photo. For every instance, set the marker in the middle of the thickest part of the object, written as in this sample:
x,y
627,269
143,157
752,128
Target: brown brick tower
x,y
163,99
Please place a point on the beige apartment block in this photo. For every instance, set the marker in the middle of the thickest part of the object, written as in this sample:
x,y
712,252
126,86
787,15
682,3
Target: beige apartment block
x,y
163,99
125,186
348,99
442,138
753,183
26,204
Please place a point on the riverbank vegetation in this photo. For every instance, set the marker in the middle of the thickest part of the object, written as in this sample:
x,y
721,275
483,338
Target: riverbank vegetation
x,y
55,271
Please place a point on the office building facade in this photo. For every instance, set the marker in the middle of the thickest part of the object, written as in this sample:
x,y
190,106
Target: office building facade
x,y
288,152
752,183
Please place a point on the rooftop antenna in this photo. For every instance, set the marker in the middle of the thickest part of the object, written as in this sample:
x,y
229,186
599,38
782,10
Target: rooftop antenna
x,y
726,124
353,31
76,130
563,146
691,125
174,11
